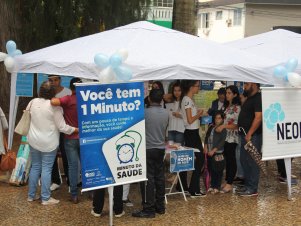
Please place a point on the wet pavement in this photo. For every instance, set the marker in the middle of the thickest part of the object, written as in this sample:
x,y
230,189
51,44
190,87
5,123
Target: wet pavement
x,y
269,208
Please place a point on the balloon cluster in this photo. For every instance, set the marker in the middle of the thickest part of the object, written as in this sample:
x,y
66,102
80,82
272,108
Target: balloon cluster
x,y
8,58
112,68
286,73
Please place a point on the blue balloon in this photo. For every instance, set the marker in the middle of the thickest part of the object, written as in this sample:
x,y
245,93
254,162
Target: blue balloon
x,y
123,73
280,72
16,53
11,47
286,77
115,60
101,60
292,64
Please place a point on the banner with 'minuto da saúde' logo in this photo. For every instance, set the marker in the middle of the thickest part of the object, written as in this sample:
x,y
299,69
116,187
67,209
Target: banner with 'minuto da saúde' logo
x,y
281,123
112,134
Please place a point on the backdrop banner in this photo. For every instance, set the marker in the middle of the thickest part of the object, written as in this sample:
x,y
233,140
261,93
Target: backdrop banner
x,y
281,123
112,134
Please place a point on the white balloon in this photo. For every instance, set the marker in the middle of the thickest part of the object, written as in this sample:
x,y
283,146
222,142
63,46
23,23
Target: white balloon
x,y
107,75
2,56
124,53
294,79
9,63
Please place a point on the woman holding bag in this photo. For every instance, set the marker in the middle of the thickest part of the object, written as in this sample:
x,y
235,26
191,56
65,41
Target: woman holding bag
x,y
43,137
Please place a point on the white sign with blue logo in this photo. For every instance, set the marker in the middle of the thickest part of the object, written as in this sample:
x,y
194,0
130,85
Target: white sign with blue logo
x,y
181,160
112,134
281,123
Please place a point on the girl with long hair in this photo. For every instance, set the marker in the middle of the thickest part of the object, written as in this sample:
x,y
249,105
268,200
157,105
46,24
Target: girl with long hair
x,y
191,115
232,110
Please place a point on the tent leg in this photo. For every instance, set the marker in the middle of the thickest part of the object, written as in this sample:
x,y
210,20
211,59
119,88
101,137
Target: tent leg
x,y
12,109
288,167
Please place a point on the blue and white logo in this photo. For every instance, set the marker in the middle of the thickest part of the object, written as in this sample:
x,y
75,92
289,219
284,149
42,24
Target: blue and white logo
x,y
126,146
272,115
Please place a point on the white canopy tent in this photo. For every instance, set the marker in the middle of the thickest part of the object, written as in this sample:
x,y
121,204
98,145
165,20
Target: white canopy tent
x,y
279,45
155,53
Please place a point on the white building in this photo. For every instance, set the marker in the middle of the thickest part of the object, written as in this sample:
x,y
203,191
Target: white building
x,y
160,13
228,20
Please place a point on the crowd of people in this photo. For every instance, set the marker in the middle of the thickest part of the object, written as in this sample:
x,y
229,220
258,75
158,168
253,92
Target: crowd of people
x,y
169,118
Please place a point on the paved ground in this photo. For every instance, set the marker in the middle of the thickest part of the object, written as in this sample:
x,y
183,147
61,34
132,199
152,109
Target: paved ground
x,y
269,208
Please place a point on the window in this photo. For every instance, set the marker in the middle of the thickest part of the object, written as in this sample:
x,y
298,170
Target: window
x,y
237,17
163,3
205,20
219,15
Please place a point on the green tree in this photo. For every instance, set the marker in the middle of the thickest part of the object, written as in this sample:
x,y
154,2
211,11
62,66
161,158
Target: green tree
x,y
36,24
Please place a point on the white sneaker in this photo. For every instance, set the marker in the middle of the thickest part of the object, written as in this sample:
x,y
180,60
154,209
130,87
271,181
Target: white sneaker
x,y
50,201
95,214
120,215
128,203
54,187
36,197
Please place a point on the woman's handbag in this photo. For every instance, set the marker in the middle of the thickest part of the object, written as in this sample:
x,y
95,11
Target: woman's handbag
x,y
23,126
218,162
8,161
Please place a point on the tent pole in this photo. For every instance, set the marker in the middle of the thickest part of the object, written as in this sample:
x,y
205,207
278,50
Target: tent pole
x,y
13,107
288,169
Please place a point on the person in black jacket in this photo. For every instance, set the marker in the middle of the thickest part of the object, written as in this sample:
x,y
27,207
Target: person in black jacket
x,y
218,104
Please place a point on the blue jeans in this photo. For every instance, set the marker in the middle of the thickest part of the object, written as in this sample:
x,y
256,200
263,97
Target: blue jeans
x,y
41,166
250,167
72,153
176,137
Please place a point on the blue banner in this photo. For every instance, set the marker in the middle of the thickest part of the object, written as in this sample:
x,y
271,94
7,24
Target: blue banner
x,y
207,85
65,80
24,87
181,160
112,133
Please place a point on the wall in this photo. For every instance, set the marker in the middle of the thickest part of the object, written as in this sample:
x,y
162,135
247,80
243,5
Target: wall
x,y
262,18
222,30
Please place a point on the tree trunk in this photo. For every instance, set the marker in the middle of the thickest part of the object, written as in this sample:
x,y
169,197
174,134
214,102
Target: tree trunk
x,y
184,16
9,28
